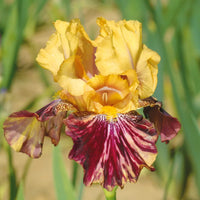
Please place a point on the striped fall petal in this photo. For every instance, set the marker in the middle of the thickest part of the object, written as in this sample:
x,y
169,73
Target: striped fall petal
x,y
25,131
112,152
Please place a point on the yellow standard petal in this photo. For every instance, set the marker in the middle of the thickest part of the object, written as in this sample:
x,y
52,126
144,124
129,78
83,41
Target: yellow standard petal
x,y
70,78
118,46
69,39
147,70
56,50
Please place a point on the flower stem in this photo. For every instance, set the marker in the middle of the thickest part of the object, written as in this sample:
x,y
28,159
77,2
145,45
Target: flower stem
x,y
110,195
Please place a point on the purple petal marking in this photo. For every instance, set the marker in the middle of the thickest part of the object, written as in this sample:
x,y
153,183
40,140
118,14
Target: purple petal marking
x,y
48,111
166,125
112,152
53,127
25,131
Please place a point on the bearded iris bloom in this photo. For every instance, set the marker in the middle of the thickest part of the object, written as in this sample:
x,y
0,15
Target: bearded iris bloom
x,y
104,82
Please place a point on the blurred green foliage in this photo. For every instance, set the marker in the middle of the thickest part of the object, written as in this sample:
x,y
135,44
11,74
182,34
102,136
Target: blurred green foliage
x,y
171,27
63,185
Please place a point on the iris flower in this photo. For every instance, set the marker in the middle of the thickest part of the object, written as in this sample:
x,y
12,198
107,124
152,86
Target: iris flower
x,y
103,84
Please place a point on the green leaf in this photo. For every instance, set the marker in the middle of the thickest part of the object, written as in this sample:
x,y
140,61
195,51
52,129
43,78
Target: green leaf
x,y
36,7
191,61
75,173
110,195
67,7
9,48
132,9
163,161
20,192
187,118
12,39
172,11
81,188
12,176
4,12
192,140
63,185
23,12
181,173
195,28
184,14
39,5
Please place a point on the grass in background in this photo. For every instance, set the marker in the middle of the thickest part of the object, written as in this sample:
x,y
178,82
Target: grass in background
x,y
169,27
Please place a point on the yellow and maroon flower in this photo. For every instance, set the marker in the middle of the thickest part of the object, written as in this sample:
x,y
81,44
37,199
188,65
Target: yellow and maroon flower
x,y
104,81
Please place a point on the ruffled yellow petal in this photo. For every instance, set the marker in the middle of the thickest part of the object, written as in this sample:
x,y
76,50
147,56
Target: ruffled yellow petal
x,y
147,70
132,79
69,39
51,58
118,46
67,69
115,70
68,79
56,50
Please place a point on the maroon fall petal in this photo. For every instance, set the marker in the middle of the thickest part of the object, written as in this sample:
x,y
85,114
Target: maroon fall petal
x,y
25,131
112,152
166,125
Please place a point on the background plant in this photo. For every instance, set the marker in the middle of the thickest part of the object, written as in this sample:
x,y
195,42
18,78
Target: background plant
x,y
171,27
